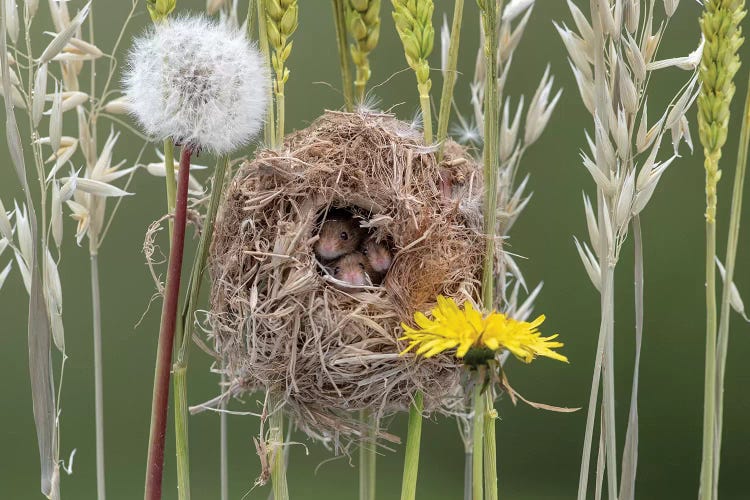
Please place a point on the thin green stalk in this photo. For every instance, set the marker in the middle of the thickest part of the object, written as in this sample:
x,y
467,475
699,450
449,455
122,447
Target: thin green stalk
x,y
413,440
223,444
185,329
490,447
171,180
468,474
424,102
449,76
478,442
276,437
731,257
280,117
709,394
182,445
98,378
269,129
368,456
346,75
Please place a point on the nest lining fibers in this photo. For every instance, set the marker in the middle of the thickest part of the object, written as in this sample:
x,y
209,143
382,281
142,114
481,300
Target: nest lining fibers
x,y
277,321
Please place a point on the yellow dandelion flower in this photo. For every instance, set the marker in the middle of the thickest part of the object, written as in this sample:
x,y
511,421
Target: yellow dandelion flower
x,y
463,329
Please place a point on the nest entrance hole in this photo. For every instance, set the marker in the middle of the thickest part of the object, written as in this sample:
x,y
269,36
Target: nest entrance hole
x,y
349,251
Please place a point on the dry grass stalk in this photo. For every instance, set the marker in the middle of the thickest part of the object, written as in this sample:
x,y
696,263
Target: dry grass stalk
x,y
279,325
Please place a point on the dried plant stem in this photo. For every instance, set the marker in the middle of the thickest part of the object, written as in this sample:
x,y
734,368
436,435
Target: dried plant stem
x,y
730,260
413,440
449,75
630,453
346,75
478,427
368,457
169,177
608,374
160,401
98,379
490,447
709,389
276,437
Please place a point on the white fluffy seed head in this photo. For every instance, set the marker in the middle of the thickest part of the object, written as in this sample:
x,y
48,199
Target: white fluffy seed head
x,y
199,82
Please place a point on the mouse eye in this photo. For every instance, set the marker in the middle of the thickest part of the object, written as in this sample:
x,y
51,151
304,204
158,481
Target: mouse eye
x,y
364,251
344,235
361,266
336,270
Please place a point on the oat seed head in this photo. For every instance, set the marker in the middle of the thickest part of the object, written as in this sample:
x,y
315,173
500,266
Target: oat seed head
x,y
199,82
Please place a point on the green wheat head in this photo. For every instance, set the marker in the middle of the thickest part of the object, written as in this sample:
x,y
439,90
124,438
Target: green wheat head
x,y
363,23
720,23
414,25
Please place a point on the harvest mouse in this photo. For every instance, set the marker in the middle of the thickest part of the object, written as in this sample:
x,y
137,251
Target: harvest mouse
x,y
353,269
338,236
378,255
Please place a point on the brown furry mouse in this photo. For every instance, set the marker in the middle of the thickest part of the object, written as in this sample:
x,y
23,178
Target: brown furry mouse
x,y
353,269
378,255
339,235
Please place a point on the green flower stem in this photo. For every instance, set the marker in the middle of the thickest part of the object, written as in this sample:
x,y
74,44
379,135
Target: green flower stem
x,y
490,447
413,440
276,437
731,257
171,180
449,78
477,439
346,75
368,456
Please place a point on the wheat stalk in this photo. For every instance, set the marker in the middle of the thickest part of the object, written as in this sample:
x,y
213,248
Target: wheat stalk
x,y
363,22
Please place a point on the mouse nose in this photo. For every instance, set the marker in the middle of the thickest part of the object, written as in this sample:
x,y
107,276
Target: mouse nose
x,y
353,278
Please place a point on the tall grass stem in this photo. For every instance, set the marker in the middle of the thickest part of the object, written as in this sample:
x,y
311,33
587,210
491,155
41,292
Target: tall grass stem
x,y
368,456
98,377
278,464
449,76
709,389
730,261
339,15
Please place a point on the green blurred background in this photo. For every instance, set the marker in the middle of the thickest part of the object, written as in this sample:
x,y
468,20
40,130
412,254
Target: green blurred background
x,y
539,452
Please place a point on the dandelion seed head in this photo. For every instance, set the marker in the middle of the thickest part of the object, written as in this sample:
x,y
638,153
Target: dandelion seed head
x,y
199,82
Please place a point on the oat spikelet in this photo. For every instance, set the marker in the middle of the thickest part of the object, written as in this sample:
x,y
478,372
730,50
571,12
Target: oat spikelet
x,y
720,24
363,23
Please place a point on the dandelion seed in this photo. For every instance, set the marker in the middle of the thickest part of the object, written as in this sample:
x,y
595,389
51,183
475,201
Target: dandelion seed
x,y
198,82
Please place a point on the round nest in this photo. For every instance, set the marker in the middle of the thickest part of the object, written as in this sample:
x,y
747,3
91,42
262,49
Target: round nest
x,y
278,321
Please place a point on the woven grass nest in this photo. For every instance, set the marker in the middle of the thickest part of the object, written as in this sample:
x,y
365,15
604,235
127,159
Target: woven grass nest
x,y
279,324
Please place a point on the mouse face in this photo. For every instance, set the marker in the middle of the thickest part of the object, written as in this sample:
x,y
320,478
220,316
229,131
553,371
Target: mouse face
x,y
378,255
338,237
352,269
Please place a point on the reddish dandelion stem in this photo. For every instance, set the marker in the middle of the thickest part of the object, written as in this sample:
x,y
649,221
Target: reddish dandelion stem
x,y
159,404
